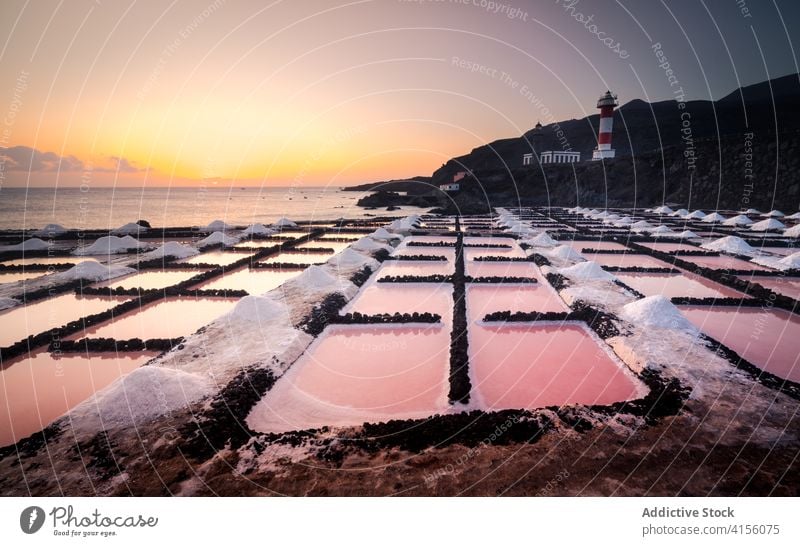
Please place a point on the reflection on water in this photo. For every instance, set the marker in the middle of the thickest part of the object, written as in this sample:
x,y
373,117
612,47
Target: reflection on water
x,y
38,389
530,366
20,322
405,298
723,262
254,281
627,260
215,257
501,269
488,298
166,318
788,286
296,258
417,269
150,280
20,276
677,285
353,374
766,338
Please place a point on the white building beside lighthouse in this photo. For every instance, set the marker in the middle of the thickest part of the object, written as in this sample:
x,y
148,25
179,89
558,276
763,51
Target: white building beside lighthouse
x,y
606,104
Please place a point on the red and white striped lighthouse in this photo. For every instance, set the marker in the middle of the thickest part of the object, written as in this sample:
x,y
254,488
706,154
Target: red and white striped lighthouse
x,y
606,104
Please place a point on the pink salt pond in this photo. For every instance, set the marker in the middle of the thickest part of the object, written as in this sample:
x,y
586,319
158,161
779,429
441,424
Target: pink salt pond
x,y
299,258
253,281
22,321
501,269
766,338
447,252
513,252
337,247
595,245
17,276
416,269
215,257
671,247
626,260
166,318
379,298
677,285
49,260
724,262
788,286
353,374
489,298
529,366
150,280
37,389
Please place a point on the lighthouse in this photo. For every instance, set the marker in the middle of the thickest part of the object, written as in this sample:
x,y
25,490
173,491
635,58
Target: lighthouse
x,y
606,104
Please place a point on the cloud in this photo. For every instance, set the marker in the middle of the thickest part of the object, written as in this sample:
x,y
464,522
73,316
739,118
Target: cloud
x,y
23,158
26,159
123,165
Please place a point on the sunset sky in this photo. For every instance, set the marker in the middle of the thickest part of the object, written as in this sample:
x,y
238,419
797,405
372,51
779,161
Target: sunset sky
x,y
327,92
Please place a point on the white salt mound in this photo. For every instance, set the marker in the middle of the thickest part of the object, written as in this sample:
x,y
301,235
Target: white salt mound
x,y
92,270
663,209
774,214
129,229
365,244
793,231
642,224
110,244
257,229
284,222
697,215
767,225
7,303
30,244
565,252
172,249
218,225
713,218
350,259
51,230
543,239
316,279
656,312
792,261
259,309
682,213
144,394
795,216
661,230
739,220
587,271
752,211
687,234
381,234
218,238
730,245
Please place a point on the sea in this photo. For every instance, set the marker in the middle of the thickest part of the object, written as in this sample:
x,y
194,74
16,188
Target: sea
x,y
108,208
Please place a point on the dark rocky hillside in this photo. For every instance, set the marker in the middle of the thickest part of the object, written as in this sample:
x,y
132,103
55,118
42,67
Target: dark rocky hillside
x,y
658,159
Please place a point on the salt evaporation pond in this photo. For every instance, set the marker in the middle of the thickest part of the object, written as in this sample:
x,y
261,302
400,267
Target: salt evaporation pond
x,y
42,315
513,252
166,318
150,280
352,374
766,338
377,298
780,251
416,269
38,389
594,245
336,247
253,281
534,365
299,258
447,252
49,260
16,276
724,262
258,244
677,285
788,286
215,257
626,260
489,298
671,247
477,269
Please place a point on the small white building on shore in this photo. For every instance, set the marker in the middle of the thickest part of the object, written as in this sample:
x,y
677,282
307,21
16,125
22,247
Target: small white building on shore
x,y
553,157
